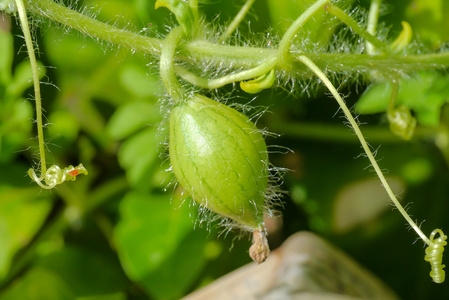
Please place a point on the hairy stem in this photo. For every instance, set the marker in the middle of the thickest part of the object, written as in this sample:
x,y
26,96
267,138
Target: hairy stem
x,y
92,27
37,89
364,144
168,77
297,25
388,65
373,16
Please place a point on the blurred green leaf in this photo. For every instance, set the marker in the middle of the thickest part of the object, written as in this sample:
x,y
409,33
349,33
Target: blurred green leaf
x,y
115,296
39,284
429,20
15,127
21,216
150,230
6,56
136,80
22,78
72,54
157,246
130,117
424,93
64,125
139,156
87,272
180,269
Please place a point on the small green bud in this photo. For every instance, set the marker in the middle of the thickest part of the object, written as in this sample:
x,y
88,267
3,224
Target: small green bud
x,y
258,84
403,38
220,158
402,123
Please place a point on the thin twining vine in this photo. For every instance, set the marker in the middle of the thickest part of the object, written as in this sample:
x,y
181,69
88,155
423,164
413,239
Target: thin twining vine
x,y
54,175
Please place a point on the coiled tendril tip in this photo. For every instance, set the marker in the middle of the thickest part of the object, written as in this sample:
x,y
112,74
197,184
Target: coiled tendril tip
x,y
434,255
55,175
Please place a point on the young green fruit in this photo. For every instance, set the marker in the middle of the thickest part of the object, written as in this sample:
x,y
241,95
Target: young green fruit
x,y
219,157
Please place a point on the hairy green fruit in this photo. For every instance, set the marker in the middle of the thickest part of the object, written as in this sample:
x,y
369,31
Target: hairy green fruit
x,y
219,157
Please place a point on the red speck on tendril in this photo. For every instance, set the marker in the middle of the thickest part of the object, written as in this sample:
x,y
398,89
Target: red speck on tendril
x,y
74,172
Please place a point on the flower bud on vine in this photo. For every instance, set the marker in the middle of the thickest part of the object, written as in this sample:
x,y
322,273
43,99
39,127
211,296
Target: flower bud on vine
x,y
402,123
258,84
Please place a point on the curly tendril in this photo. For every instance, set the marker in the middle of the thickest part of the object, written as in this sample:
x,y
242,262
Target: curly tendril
x,y
434,255
55,175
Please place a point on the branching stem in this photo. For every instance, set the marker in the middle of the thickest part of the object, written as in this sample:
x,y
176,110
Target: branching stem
x,y
171,83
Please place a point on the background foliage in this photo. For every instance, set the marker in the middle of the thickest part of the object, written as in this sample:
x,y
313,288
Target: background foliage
x,y
121,233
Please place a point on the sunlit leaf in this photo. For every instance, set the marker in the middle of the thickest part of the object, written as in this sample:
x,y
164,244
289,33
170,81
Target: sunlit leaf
x,y
139,156
138,82
22,78
15,127
39,284
130,117
6,56
424,93
173,278
21,216
86,271
150,231
429,20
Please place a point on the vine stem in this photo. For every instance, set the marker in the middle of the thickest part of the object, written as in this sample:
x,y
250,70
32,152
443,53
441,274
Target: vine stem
x,y
391,65
368,36
297,25
237,20
373,17
314,68
167,73
37,91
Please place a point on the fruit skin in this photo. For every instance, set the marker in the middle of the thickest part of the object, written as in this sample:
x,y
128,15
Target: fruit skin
x,y
220,157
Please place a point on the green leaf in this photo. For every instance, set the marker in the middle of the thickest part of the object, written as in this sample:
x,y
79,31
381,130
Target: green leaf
x,y
149,232
429,20
69,53
130,117
179,271
425,94
137,82
23,78
139,156
6,56
21,217
64,125
157,246
115,296
15,127
87,272
39,284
